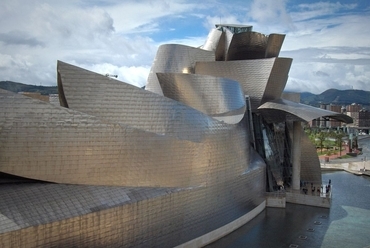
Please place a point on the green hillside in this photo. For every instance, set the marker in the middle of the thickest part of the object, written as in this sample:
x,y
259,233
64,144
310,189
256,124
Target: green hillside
x,y
19,87
338,97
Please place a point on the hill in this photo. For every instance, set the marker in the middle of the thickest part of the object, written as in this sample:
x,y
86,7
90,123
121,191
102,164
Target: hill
x,y
19,87
337,97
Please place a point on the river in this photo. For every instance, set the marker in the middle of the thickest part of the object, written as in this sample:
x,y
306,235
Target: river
x,y
345,224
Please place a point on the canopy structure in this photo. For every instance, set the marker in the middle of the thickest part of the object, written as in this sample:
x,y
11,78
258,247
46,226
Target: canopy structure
x,y
281,110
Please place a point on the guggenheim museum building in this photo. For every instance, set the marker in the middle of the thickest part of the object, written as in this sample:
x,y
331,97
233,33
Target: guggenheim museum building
x,y
180,163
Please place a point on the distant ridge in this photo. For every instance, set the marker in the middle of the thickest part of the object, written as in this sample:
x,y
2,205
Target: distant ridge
x,y
337,97
334,96
19,87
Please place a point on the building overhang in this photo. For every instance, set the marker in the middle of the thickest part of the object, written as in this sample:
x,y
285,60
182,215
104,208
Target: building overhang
x,y
281,110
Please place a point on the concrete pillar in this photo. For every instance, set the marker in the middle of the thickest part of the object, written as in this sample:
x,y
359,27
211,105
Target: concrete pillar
x,y
296,155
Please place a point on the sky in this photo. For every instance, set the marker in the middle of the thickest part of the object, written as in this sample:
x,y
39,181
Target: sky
x,y
329,41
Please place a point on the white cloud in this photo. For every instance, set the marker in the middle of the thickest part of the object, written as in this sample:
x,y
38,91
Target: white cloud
x,y
271,14
327,41
319,9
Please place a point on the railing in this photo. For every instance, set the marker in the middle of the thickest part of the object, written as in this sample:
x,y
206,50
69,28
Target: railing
x,y
321,189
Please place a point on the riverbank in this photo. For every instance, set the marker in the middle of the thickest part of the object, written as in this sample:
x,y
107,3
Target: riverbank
x,y
359,165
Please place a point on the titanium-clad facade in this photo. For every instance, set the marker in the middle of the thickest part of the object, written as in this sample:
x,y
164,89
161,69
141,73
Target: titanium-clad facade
x,y
119,166
214,96
261,79
176,59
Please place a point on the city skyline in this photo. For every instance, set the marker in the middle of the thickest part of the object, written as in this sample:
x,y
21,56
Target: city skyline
x,y
328,41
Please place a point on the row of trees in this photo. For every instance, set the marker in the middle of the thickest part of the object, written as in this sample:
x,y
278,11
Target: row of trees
x,y
326,138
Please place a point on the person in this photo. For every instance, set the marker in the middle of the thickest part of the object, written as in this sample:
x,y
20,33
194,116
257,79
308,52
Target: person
x,y
305,191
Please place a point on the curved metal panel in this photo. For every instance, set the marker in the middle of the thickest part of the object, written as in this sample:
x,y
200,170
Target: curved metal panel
x,y
228,38
310,163
36,137
297,111
260,79
213,96
221,48
248,45
118,102
55,215
253,45
212,40
277,80
274,44
177,59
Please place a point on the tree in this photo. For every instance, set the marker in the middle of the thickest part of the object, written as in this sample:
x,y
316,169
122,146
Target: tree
x,y
339,135
321,136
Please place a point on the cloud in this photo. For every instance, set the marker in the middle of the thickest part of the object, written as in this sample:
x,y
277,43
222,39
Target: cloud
x,y
327,40
317,69
319,9
19,38
271,13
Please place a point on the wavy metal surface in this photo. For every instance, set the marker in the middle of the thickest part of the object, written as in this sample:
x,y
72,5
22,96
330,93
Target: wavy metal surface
x,y
37,136
118,102
176,59
260,78
253,45
213,96
248,45
277,80
281,110
228,38
274,44
57,215
212,40
310,163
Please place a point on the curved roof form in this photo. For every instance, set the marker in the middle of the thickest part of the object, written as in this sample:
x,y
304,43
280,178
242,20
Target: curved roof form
x,y
213,96
175,58
55,144
118,102
261,79
281,110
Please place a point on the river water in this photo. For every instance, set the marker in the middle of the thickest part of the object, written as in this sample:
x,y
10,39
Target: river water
x,y
345,224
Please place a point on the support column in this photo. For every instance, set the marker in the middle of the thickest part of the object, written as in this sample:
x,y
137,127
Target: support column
x,y
296,155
